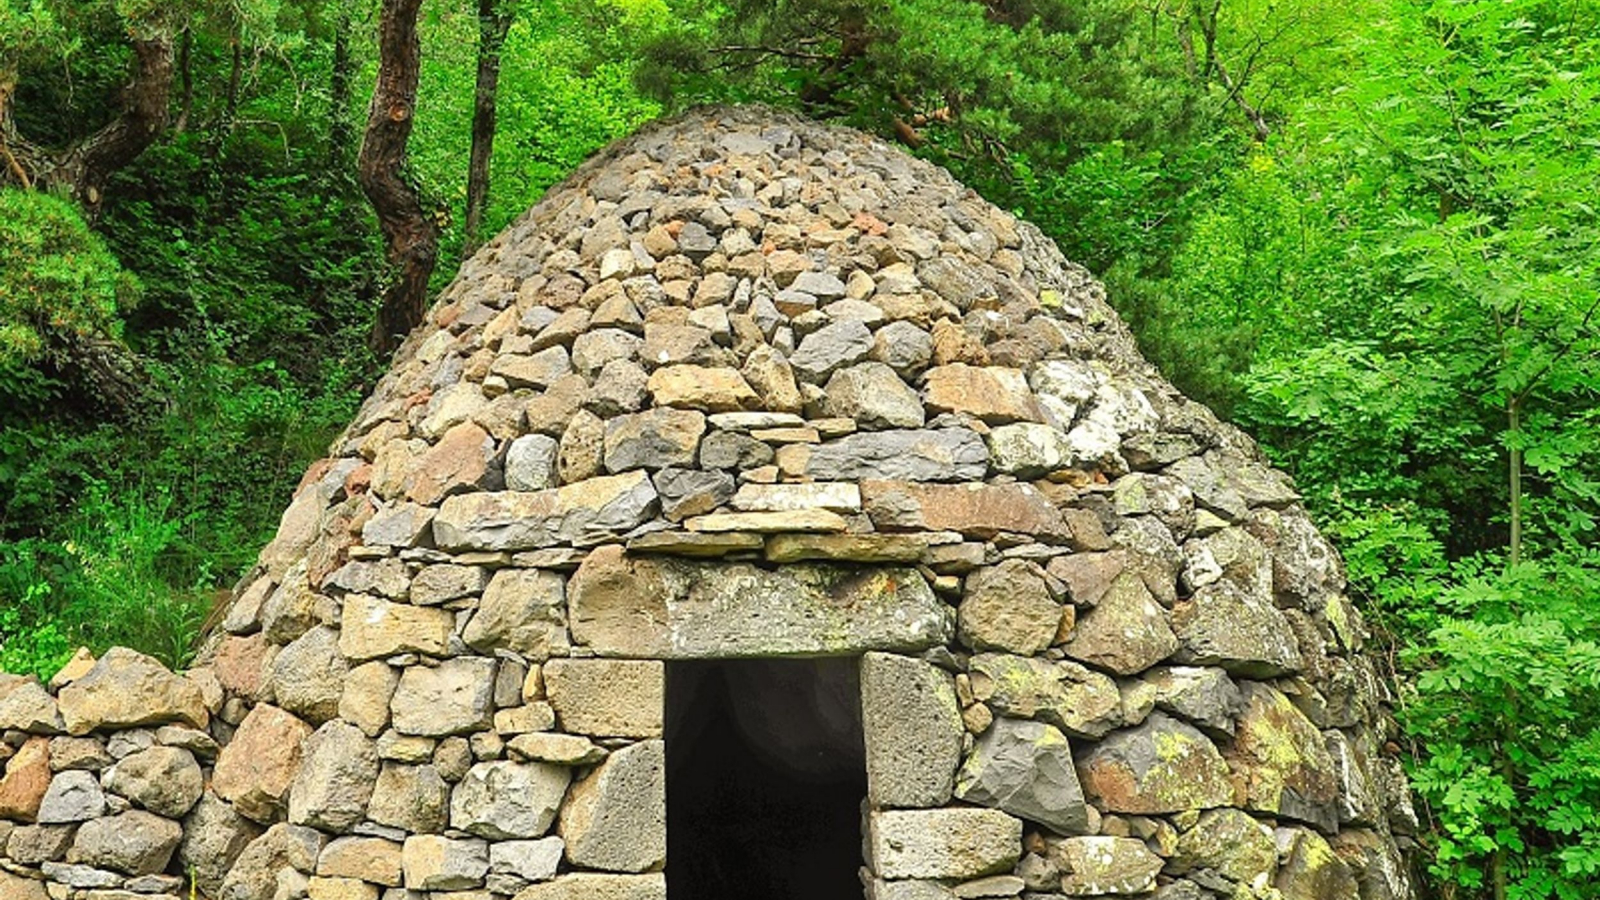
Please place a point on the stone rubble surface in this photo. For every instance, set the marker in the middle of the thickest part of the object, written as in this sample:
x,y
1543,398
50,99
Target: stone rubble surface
x,y
746,386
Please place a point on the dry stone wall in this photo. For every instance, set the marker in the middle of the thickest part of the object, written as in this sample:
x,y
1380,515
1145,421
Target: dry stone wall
x,y
746,386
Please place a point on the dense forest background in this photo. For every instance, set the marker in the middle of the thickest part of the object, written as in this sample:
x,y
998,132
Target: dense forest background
x,y
1365,231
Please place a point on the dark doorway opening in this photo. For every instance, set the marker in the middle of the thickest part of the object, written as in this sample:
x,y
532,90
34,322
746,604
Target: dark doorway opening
x,y
766,776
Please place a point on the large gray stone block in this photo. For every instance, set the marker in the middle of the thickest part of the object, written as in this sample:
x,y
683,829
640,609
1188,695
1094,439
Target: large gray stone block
x,y
336,779
943,454
454,697
503,800
615,820
1025,768
912,725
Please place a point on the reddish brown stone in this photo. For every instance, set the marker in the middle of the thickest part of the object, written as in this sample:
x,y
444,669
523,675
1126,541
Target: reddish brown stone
x,y
241,664
339,528
314,473
1163,766
952,344
975,510
1088,575
994,394
255,770
458,462
26,780
1088,532
868,223
358,480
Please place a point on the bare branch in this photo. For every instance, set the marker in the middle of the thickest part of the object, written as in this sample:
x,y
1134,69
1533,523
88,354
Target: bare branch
x,y
782,52
1560,354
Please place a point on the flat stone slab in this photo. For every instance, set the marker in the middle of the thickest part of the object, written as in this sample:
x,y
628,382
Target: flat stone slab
x,y
588,512
975,510
837,496
694,543
865,548
944,454
626,605
599,886
943,843
805,520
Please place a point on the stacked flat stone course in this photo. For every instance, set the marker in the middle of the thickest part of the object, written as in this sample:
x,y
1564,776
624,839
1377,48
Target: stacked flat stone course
x,y
746,386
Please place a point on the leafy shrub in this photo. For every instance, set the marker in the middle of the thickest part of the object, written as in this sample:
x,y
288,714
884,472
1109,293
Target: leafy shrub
x,y
1509,704
58,282
31,640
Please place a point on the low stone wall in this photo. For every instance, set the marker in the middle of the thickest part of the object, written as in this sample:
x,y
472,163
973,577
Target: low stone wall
x,y
105,792
124,780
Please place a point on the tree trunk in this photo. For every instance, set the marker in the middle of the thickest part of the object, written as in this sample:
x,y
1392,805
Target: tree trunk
x,y
86,167
1514,473
230,104
410,234
9,164
494,19
112,379
340,132
185,80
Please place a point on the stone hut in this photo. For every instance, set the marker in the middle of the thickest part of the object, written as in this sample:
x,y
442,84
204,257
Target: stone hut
x,y
762,514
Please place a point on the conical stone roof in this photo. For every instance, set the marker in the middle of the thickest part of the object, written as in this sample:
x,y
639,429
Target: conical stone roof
x,y
748,386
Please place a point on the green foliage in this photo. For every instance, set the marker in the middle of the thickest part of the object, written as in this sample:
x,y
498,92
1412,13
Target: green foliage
x,y
107,584
58,283
251,258
160,519
1509,700
31,31
1397,293
31,637
1049,79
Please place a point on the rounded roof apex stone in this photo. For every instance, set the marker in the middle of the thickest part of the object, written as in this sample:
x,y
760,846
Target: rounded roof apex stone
x,y
746,259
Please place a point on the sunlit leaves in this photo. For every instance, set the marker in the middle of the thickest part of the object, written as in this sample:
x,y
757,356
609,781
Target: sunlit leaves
x,y
57,281
29,32
1508,708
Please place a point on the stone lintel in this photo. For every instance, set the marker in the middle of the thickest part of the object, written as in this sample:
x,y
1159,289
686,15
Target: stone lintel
x,y
627,605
